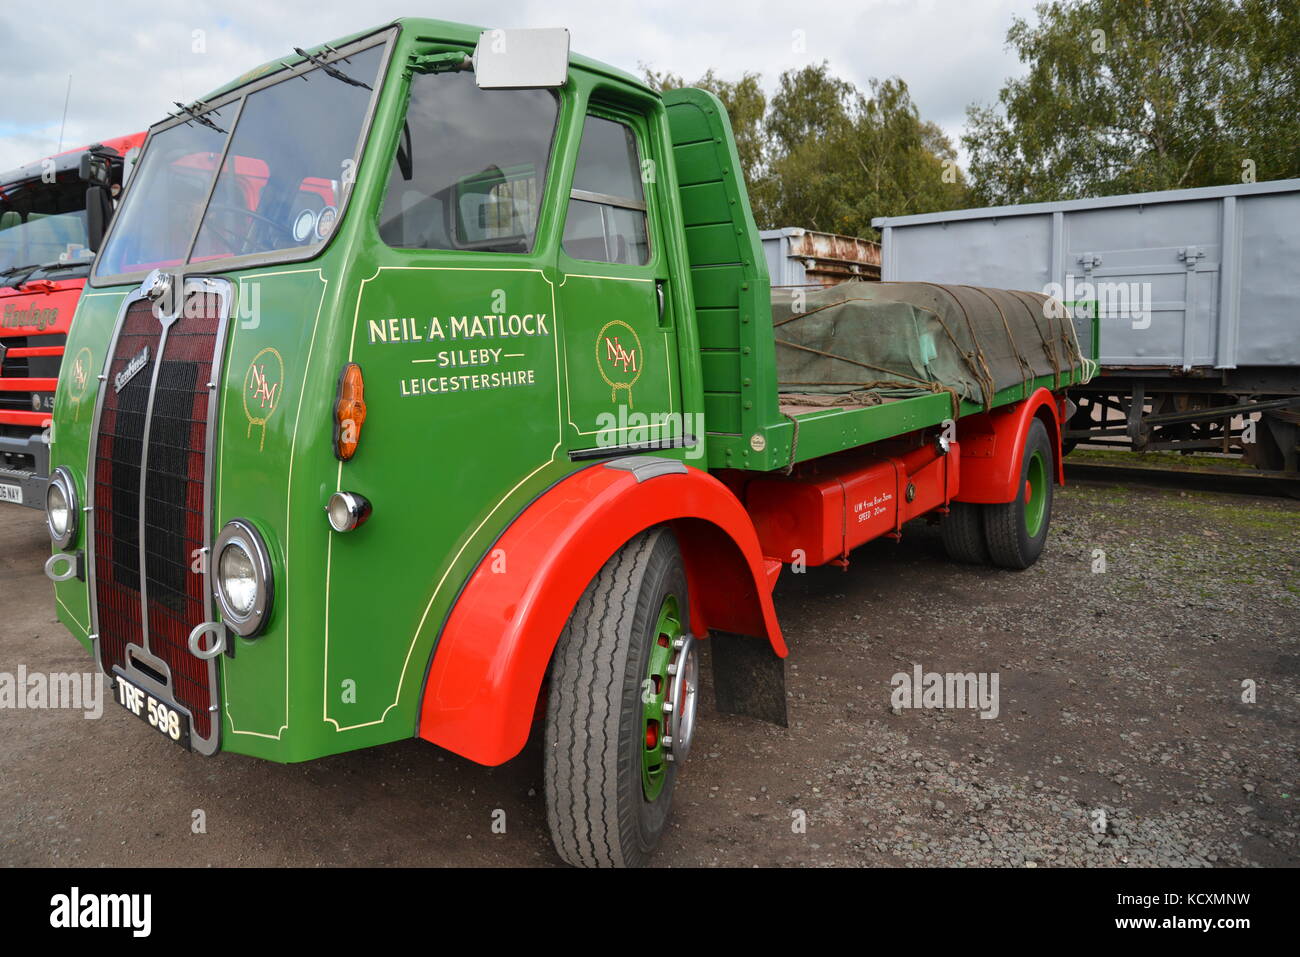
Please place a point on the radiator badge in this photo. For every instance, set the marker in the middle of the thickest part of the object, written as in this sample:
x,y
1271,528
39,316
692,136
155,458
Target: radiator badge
x,y
134,366
262,384
78,380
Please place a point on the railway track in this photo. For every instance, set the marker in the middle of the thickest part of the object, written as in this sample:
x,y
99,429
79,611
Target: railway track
x,y
1235,480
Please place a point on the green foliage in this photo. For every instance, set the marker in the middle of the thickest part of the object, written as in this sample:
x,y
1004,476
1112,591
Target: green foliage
x,y
842,156
1134,95
746,105
827,156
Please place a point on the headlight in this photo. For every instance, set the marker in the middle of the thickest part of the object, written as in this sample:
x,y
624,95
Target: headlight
x,y
238,578
241,582
61,507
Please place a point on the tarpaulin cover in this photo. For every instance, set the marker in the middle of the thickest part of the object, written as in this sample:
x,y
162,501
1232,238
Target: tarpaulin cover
x,y
903,338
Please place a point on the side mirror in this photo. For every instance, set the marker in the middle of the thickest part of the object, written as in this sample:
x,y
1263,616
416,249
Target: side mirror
x,y
99,213
521,59
95,169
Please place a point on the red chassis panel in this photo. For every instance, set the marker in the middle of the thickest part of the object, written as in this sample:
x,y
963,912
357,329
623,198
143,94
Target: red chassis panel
x,y
993,445
488,665
829,507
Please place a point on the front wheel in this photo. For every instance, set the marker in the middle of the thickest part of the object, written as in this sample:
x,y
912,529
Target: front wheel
x,y
621,709
1017,531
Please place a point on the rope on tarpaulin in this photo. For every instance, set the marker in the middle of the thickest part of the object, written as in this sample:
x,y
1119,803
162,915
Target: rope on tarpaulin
x,y
1058,343
922,386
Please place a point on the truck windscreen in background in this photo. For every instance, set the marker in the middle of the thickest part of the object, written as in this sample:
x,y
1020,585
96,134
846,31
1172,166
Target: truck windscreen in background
x,y
42,224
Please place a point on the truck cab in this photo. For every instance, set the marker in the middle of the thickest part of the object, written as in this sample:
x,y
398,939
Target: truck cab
x,y
430,365
53,214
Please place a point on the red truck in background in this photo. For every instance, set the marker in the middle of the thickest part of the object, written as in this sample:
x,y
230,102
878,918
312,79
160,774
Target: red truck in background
x,y
53,214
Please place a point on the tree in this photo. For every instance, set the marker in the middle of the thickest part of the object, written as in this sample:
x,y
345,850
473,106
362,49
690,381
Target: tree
x,y
746,105
807,127
825,156
841,157
1134,95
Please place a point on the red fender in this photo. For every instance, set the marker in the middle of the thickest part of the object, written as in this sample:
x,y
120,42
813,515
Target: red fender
x,y
993,447
487,668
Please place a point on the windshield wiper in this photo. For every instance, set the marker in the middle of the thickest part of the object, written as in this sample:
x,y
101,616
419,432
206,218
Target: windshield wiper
x,y
198,117
17,269
331,70
31,270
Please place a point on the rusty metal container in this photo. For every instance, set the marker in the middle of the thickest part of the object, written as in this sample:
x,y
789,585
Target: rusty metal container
x,y
802,257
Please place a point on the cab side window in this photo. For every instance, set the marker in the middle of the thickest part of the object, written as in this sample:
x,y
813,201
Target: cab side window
x,y
607,209
470,166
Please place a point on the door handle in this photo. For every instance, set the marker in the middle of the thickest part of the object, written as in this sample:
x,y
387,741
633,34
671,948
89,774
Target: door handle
x,y
659,293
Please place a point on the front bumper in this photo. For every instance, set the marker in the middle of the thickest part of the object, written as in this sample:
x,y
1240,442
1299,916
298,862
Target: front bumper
x,y
31,481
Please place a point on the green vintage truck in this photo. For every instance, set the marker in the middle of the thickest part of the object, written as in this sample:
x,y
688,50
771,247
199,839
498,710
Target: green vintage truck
x,y
441,392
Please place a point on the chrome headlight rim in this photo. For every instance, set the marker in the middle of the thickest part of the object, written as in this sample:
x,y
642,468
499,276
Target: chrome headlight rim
x,y
62,481
241,534
356,508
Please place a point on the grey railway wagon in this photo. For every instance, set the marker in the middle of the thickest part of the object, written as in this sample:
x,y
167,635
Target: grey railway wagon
x,y
1191,299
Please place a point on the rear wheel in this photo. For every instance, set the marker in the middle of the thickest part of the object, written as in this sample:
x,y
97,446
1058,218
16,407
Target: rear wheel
x,y
1017,531
621,711
963,533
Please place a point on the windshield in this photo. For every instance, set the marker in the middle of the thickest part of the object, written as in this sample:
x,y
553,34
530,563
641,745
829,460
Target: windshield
x,y
284,176
42,224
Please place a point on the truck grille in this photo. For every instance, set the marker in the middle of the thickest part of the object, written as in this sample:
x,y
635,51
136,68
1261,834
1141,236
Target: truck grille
x,y
14,367
165,450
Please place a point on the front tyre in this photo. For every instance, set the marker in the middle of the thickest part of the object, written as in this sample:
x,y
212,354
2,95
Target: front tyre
x,y
1017,531
621,707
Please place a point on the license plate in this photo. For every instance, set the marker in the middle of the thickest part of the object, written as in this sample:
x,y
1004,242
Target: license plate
x,y
11,493
163,717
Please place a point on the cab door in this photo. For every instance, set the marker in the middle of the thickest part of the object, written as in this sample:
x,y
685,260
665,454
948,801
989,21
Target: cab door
x,y
454,329
623,391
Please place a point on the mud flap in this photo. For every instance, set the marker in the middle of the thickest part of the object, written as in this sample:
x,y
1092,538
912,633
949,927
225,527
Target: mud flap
x,y
748,677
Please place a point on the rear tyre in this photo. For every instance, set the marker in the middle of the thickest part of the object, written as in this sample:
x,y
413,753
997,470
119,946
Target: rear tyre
x,y
621,709
1017,531
963,533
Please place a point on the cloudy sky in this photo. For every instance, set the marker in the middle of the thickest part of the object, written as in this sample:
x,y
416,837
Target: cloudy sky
x,y
129,59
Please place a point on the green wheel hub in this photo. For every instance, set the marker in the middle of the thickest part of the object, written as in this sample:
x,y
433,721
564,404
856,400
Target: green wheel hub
x,y
1036,491
667,699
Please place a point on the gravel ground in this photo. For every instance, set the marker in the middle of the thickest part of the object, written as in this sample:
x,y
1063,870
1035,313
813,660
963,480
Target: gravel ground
x,y
1122,737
